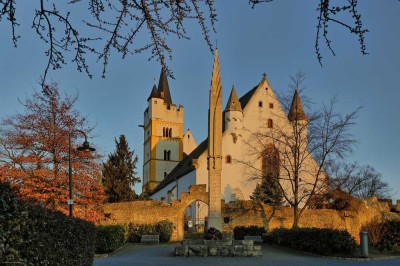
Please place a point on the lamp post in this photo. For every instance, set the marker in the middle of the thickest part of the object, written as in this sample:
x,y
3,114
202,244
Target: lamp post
x,y
85,147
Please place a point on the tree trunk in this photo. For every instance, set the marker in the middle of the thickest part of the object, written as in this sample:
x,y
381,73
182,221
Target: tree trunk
x,y
296,217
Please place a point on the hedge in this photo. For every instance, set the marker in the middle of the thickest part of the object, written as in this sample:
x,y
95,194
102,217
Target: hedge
x,y
41,236
109,238
316,240
163,229
12,217
240,231
391,238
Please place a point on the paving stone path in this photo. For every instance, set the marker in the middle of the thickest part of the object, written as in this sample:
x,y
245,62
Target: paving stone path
x,y
272,255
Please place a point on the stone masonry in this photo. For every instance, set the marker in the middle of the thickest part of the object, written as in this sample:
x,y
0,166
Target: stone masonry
x,y
224,248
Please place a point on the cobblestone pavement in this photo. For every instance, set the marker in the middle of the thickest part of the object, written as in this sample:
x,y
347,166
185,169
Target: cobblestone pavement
x,y
272,255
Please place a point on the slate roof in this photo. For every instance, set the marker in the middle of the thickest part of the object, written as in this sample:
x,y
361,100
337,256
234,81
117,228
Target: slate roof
x,y
185,166
296,111
154,93
233,103
163,88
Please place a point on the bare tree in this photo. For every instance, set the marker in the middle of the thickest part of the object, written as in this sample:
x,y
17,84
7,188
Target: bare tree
x,y
120,22
361,181
306,143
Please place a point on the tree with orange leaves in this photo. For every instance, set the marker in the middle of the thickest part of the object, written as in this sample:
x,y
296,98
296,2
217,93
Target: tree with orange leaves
x,y
34,155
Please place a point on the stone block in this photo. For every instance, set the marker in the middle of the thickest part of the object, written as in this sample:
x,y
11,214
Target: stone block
x,y
198,250
224,251
237,251
213,251
182,250
225,243
211,243
247,242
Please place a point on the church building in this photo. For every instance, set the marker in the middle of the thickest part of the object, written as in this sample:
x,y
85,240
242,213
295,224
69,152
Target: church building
x,y
173,161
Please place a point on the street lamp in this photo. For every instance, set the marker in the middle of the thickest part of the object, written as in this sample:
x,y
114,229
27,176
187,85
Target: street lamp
x,y
85,147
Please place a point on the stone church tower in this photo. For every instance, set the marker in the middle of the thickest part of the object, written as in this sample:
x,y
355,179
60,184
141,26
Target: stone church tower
x,y
163,134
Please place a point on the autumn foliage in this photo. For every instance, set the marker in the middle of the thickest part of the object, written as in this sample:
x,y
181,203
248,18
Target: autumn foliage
x,y
34,155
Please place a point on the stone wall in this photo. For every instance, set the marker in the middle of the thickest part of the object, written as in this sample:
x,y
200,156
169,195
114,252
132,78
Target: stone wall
x,y
246,213
149,211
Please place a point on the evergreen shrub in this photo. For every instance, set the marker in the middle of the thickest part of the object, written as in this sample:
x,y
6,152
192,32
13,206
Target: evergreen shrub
x,y
41,236
12,221
163,229
315,240
109,238
240,231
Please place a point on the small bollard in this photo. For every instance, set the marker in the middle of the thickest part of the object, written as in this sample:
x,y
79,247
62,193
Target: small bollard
x,y
364,244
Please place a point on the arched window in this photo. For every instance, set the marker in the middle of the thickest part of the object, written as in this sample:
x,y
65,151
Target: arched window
x,y
170,133
168,155
228,159
270,123
270,162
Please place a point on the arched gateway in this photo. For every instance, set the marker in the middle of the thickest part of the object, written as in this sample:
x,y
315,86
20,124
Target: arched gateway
x,y
197,193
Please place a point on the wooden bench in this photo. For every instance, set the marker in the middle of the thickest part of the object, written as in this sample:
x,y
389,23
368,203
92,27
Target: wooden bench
x,y
256,239
150,239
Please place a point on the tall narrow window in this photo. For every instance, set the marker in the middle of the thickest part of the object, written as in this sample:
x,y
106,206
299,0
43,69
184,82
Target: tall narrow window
x,y
270,162
168,155
260,104
170,133
270,123
228,159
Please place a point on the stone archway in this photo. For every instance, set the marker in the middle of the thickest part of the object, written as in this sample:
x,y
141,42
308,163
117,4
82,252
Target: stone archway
x,y
196,193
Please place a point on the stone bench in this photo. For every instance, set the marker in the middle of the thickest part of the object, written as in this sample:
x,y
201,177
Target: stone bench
x,y
256,239
150,239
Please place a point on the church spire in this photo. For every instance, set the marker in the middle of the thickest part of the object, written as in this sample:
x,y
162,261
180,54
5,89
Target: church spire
x,y
154,93
233,102
296,112
163,88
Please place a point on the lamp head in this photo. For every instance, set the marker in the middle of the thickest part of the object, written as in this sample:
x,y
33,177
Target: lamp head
x,y
85,147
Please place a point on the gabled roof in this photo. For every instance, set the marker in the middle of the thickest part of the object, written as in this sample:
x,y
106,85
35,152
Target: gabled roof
x,y
244,100
163,88
296,112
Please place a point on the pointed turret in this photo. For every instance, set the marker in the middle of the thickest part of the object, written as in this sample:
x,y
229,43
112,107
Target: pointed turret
x,y
296,112
215,147
154,93
233,102
163,88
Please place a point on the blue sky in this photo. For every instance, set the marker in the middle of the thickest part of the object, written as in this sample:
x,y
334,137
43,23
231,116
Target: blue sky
x,y
275,38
